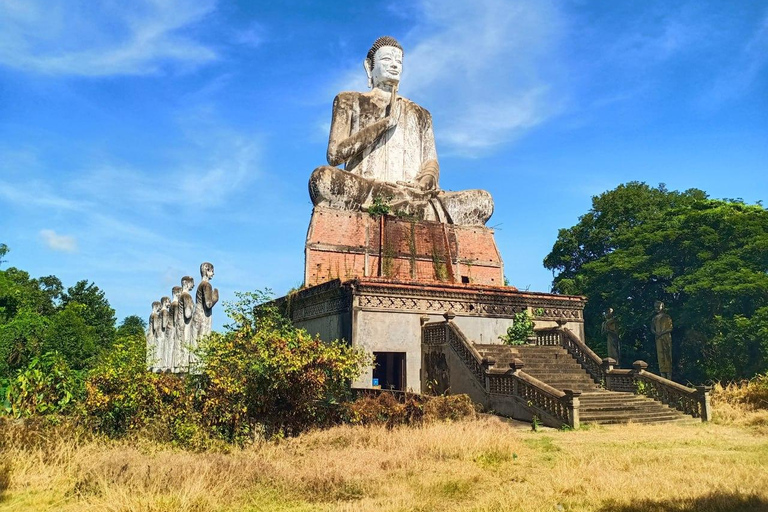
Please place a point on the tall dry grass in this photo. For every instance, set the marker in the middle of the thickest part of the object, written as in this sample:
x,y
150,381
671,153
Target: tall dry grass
x,y
742,403
479,465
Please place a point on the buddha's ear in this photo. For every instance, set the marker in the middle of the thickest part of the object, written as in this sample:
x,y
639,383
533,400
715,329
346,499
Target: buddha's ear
x,y
368,72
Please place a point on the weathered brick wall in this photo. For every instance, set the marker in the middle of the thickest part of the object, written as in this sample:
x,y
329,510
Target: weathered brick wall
x,y
345,245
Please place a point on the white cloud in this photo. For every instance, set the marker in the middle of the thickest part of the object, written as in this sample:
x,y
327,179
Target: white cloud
x,y
56,242
486,70
83,37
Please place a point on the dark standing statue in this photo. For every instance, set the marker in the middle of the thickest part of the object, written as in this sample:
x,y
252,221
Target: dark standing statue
x,y
610,328
661,327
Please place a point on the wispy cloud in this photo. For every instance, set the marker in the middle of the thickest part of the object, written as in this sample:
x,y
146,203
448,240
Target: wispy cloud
x,y
485,70
82,37
57,242
746,65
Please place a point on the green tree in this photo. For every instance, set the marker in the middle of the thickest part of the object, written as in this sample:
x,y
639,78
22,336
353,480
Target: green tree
x,y
70,335
97,313
3,251
21,339
132,325
706,259
19,291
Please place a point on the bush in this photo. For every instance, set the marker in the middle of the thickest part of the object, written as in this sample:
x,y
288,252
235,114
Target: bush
x,y
266,372
44,387
520,330
123,396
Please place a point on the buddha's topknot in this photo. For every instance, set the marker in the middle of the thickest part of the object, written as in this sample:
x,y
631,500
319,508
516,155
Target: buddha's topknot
x,y
382,41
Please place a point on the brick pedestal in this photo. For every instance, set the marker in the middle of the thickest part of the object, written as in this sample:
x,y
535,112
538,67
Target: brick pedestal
x,y
348,245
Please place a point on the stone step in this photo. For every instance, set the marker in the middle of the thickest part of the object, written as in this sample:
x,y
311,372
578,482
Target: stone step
x,y
616,421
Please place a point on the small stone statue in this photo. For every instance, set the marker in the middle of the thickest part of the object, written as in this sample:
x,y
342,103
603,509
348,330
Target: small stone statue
x,y
184,322
153,328
661,327
611,330
171,335
205,298
387,146
162,337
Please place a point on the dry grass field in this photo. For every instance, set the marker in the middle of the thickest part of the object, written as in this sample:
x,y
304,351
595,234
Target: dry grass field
x,y
486,464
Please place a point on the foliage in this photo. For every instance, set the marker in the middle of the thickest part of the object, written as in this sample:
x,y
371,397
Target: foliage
x,y
520,330
265,371
21,339
38,316
96,313
132,326
46,386
3,251
380,206
706,259
69,334
122,396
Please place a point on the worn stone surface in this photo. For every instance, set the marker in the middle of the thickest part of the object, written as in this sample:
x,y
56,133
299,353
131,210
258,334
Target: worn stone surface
x,y
176,324
205,298
661,327
347,244
386,316
184,322
153,332
610,328
387,146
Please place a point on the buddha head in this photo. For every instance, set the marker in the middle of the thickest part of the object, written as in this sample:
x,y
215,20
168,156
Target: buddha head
x,y
384,62
187,283
165,302
175,291
658,306
206,270
156,306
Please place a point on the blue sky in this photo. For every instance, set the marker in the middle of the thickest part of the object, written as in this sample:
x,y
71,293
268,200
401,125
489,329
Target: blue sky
x,y
138,139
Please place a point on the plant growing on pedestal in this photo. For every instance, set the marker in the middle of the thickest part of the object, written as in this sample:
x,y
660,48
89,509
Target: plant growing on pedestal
x,y
520,330
380,206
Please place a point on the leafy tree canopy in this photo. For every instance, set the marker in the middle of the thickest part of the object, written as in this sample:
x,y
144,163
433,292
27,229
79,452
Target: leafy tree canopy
x,y
706,259
37,315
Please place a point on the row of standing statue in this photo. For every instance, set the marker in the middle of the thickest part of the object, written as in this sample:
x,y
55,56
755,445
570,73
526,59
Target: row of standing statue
x,y
661,327
176,324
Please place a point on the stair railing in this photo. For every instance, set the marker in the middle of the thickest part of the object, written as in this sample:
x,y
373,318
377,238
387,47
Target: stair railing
x,y
590,361
554,407
691,401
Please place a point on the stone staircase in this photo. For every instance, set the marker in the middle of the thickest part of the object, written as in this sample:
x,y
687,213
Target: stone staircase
x,y
556,367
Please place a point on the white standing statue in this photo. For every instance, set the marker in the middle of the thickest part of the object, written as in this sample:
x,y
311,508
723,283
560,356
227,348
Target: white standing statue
x,y
162,337
387,146
205,298
184,322
171,335
153,328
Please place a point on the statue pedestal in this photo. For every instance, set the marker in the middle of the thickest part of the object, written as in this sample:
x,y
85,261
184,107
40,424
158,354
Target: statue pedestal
x,y
348,245
385,318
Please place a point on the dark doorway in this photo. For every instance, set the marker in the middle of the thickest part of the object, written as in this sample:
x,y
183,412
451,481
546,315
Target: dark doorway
x,y
389,370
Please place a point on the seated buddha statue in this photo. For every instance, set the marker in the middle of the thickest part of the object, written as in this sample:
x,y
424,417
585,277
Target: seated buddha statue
x,y
387,147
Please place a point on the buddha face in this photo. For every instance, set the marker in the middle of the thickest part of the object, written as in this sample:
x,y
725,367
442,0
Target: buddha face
x,y
387,66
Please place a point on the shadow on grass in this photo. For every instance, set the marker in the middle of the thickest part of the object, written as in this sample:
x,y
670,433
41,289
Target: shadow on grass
x,y
5,479
714,502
